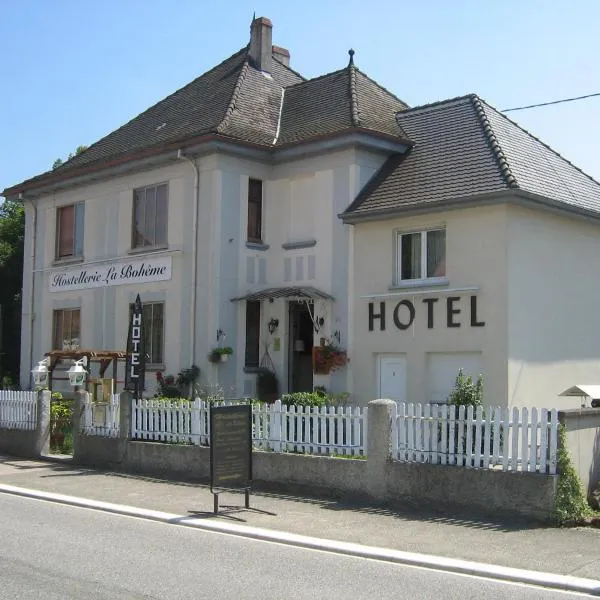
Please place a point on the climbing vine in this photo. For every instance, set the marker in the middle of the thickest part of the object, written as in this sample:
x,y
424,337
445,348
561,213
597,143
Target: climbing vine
x,y
570,503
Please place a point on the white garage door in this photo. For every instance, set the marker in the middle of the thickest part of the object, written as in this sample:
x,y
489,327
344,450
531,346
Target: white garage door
x,y
442,368
392,377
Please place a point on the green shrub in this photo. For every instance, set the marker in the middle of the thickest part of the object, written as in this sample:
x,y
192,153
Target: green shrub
x,y
570,503
465,392
304,399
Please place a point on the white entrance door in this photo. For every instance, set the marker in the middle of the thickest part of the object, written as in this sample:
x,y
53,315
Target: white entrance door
x,y
392,377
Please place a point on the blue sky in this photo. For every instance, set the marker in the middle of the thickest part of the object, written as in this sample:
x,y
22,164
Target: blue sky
x,y
74,70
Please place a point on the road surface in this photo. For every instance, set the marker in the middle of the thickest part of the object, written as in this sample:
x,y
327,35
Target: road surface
x,y
52,551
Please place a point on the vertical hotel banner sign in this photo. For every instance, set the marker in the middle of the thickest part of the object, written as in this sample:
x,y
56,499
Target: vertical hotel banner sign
x,y
135,364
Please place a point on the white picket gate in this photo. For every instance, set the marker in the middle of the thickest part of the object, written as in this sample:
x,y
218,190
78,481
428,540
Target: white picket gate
x,y
499,438
322,430
18,409
101,419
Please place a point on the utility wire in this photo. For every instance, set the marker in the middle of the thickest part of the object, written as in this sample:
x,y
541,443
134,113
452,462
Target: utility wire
x,y
553,102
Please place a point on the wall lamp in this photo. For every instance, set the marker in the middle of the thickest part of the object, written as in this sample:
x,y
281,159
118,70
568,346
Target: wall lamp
x,y
77,372
40,372
273,324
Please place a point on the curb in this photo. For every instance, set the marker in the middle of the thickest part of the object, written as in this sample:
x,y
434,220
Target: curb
x,y
438,563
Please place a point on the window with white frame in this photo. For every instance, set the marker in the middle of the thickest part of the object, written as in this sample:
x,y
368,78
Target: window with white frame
x,y
421,255
69,231
150,216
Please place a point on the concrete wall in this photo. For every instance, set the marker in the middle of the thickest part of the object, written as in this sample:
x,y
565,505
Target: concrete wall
x,y
553,319
19,443
475,262
377,479
583,443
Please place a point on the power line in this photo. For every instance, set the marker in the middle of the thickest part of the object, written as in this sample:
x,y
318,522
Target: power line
x,y
553,102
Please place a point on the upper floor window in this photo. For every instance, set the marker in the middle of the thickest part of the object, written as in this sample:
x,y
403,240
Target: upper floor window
x,y
421,255
150,216
66,329
69,231
255,200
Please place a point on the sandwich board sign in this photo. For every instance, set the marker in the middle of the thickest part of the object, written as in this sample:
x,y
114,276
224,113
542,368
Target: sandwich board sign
x,y
230,450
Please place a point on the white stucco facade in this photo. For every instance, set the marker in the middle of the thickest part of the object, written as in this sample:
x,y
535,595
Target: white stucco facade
x,y
528,276
304,244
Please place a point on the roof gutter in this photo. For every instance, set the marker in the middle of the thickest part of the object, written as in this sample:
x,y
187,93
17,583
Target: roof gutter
x,y
514,196
206,144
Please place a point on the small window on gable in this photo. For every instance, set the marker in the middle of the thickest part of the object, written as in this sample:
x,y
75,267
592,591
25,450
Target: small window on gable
x,y
255,201
421,255
150,216
69,231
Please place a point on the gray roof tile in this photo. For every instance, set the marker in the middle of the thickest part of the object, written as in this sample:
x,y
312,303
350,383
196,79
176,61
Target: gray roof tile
x,y
463,148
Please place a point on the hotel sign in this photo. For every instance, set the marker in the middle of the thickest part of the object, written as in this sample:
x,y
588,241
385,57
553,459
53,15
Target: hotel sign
x,y
115,273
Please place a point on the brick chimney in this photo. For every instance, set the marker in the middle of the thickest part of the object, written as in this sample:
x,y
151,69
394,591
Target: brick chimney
x,y
261,34
282,55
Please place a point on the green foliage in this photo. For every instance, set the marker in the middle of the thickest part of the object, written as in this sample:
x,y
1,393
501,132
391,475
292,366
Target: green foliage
x,y
61,424
304,399
59,161
216,353
466,392
570,503
182,385
12,234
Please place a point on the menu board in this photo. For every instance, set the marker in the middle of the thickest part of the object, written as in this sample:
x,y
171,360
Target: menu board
x,y
231,447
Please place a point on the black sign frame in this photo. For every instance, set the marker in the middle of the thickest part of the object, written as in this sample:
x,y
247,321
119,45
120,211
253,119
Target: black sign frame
x,y
226,424
135,363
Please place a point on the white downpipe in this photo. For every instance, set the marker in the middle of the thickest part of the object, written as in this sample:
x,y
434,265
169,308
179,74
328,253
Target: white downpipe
x,y
181,156
32,289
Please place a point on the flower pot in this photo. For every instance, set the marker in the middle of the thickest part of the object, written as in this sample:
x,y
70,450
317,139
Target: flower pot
x,y
224,357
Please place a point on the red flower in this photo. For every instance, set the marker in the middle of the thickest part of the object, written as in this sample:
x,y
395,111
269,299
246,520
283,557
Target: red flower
x,y
159,376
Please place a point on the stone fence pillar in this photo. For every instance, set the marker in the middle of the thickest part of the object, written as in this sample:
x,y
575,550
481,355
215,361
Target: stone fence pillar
x,y
42,441
125,399
79,402
381,415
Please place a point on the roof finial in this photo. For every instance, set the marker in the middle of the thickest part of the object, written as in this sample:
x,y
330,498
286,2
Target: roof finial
x,y
351,53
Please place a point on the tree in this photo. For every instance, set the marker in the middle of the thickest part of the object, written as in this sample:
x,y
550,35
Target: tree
x,y
12,233
59,161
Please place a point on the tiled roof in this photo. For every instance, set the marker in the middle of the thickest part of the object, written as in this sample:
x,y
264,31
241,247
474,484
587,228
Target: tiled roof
x,y
464,148
336,102
238,102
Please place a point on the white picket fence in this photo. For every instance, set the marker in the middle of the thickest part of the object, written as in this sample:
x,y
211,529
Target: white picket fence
x,y
322,430
18,410
101,419
500,438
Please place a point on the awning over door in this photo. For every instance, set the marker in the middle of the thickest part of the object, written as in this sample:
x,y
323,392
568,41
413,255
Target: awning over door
x,y
288,293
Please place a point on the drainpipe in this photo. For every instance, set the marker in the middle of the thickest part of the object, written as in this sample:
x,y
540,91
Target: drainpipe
x,y
181,156
32,289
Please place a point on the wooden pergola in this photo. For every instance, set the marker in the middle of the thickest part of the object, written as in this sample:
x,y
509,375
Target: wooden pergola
x,y
104,359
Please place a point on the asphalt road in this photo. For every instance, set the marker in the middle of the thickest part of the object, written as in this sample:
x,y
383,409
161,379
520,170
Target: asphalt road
x,y
51,551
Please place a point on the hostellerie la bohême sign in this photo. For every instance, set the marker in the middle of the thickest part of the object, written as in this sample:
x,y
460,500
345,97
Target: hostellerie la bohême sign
x,y
135,364
114,273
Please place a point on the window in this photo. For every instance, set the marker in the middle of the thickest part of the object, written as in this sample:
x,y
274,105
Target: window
x,y
153,319
255,210
252,333
66,329
150,216
421,255
69,231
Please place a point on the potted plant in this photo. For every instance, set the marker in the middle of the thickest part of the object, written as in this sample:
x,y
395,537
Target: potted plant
x,y
220,354
328,357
